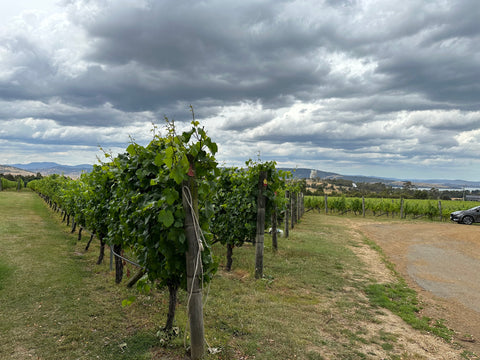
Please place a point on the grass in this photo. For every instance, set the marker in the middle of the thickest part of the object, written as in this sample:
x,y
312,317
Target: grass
x,y
55,304
402,301
311,304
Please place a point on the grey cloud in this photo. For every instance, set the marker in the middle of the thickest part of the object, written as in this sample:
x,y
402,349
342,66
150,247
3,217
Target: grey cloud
x,y
245,52
380,81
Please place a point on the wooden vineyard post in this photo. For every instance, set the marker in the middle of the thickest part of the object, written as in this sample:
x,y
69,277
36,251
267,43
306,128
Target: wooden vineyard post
x,y
112,257
293,208
440,209
363,206
274,229
326,204
297,207
287,195
261,200
303,204
194,270
117,249
401,208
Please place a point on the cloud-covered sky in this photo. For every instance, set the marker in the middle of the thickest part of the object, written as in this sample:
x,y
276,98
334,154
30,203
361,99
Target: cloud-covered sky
x,y
372,87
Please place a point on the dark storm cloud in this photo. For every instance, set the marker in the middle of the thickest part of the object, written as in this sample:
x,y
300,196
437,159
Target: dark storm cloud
x,y
227,51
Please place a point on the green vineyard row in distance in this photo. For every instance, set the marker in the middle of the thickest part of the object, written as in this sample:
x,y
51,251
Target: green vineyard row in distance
x,y
375,206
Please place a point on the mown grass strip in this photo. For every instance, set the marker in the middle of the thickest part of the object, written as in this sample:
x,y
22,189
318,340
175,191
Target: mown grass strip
x,y
55,303
5,272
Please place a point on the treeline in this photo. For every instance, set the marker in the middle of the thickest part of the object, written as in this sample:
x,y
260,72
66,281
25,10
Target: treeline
x,y
339,187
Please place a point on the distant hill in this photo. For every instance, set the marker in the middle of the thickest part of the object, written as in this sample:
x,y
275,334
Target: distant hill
x,y
49,168
304,173
7,169
33,166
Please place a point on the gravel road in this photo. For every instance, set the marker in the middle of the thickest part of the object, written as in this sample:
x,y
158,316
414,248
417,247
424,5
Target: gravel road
x,y
442,261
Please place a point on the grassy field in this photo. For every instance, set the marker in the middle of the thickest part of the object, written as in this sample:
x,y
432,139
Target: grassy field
x,y
316,301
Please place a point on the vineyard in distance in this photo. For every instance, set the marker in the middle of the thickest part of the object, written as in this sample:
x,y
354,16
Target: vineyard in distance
x,y
208,275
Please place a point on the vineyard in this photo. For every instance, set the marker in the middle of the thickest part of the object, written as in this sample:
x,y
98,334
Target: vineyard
x,y
163,206
400,208
9,184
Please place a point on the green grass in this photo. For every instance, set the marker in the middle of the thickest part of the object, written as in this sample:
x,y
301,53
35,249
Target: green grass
x,y
402,301
55,303
4,274
311,304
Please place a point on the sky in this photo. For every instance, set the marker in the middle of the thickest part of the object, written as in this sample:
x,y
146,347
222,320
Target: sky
x,y
359,87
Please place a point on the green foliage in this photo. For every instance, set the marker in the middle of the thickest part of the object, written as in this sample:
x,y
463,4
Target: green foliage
x,y
135,200
8,184
146,212
235,201
402,301
411,207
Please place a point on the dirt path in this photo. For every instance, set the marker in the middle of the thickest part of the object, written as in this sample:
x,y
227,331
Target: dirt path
x,y
442,262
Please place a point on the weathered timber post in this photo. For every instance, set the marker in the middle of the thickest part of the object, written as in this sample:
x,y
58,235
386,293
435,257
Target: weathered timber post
x,y
287,195
261,201
274,229
401,208
136,277
303,204
326,204
291,206
440,209
117,249
363,205
111,257
297,207
1,185
194,269
228,266
293,203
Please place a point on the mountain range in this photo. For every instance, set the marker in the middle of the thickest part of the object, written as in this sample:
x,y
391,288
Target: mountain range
x,y
304,173
48,168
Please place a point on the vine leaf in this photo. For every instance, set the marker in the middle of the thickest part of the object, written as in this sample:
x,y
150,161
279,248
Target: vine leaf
x,y
166,218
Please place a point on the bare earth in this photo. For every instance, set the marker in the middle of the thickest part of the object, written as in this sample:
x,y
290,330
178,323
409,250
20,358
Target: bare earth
x,y
442,262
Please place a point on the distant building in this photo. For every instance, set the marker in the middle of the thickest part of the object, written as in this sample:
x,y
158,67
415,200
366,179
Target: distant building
x,y
472,197
313,174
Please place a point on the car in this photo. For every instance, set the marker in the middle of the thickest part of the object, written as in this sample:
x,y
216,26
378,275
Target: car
x,y
467,217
